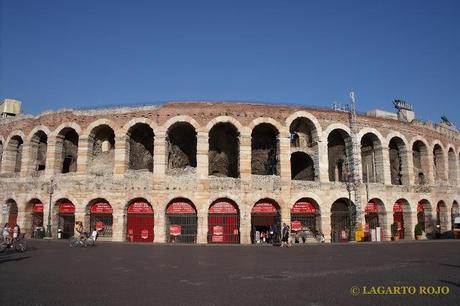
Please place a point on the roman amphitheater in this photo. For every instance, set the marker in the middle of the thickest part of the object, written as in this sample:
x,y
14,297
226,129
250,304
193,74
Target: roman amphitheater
x,y
216,172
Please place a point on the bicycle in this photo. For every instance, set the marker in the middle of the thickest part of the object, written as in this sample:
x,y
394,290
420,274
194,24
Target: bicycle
x,y
19,244
82,241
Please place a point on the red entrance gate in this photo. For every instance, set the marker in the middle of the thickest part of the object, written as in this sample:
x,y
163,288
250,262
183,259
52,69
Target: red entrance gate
x,y
223,223
182,220
265,219
140,222
398,218
101,218
37,217
66,221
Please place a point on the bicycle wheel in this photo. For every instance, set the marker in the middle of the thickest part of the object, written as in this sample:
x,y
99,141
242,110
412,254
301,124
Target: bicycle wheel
x,y
3,246
20,246
90,242
73,242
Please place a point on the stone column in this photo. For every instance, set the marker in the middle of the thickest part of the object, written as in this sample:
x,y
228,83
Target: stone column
x,y
430,168
159,155
410,167
245,223
202,158
27,162
83,159
323,162
285,158
120,160
202,230
245,156
386,169
51,152
326,224
118,226
160,224
388,222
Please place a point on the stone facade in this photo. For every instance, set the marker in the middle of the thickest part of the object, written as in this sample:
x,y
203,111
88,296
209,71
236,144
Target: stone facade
x,y
34,151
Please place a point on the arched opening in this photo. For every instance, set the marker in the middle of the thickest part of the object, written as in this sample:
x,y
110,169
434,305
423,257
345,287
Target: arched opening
x,y
401,227
33,225
302,167
224,150
181,221
452,167
425,217
140,147
11,212
337,153
343,214
442,221
67,150
140,221
397,161
265,150
101,150
374,216
371,159
38,149
438,163
1,154
64,218
181,148
265,219
223,222
303,133
14,150
305,220
420,161
100,215
454,212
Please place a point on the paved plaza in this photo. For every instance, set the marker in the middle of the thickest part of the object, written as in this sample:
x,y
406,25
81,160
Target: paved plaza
x,y
52,273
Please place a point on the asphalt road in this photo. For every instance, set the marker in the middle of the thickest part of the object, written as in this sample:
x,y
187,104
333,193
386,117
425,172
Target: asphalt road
x,y
51,273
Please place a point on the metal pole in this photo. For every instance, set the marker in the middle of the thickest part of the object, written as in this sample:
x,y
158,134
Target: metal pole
x,y
48,227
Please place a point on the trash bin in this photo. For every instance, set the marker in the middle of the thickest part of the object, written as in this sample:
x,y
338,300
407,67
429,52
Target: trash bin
x,y
59,234
39,232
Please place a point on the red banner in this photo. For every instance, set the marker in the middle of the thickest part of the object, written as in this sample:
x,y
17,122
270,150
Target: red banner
x,y
101,208
296,226
218,230
66,208
37,208
397,207
144,234
264,208
420,207
223,208
140,208
175,230
303,208
371,207
181,208
216,238
99,225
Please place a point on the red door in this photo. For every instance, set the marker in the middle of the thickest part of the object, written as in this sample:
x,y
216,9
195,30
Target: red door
x,y
140,228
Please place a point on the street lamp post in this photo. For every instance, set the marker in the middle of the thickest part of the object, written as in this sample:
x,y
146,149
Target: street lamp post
x,y
50,191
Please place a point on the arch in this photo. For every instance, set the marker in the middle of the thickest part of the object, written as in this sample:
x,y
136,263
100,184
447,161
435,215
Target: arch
x,y
181,221
223,221
343,214
265,218
138,120
453,166
99,216
267,120
224,119
402,220
306,132
63,218
375,218
265,149
70,125
101,150
442,221
183,118
302,167
338,152
224,150
425,217
139,221
38,151
11,212
371,158
140,146
305,219
438,162
97,123
181,147
303,114
13,156
398,160
33,221
420,161
454,213
66,149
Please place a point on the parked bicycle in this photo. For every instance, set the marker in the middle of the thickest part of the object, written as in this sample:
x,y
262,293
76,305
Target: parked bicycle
x,y
19,244
84,240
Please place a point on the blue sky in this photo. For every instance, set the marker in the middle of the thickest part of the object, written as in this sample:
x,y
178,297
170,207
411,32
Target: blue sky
x,y
56,54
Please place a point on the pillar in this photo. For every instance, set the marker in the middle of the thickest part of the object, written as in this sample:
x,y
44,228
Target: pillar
x,y
120,159
83,159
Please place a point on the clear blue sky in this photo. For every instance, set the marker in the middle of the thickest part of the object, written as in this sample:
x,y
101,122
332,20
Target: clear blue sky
x,y
56,54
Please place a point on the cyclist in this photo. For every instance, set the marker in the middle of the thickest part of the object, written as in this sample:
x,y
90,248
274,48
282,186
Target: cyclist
x,y
16,232
6,233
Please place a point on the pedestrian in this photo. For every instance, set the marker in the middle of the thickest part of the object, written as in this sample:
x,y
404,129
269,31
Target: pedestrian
x,y
285,236
6,232
16,232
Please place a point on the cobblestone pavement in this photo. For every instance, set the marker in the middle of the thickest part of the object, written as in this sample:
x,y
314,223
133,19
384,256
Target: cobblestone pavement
x,y
52,273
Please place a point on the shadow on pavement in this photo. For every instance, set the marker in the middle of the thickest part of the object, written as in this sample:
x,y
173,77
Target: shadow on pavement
x,y
10,257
